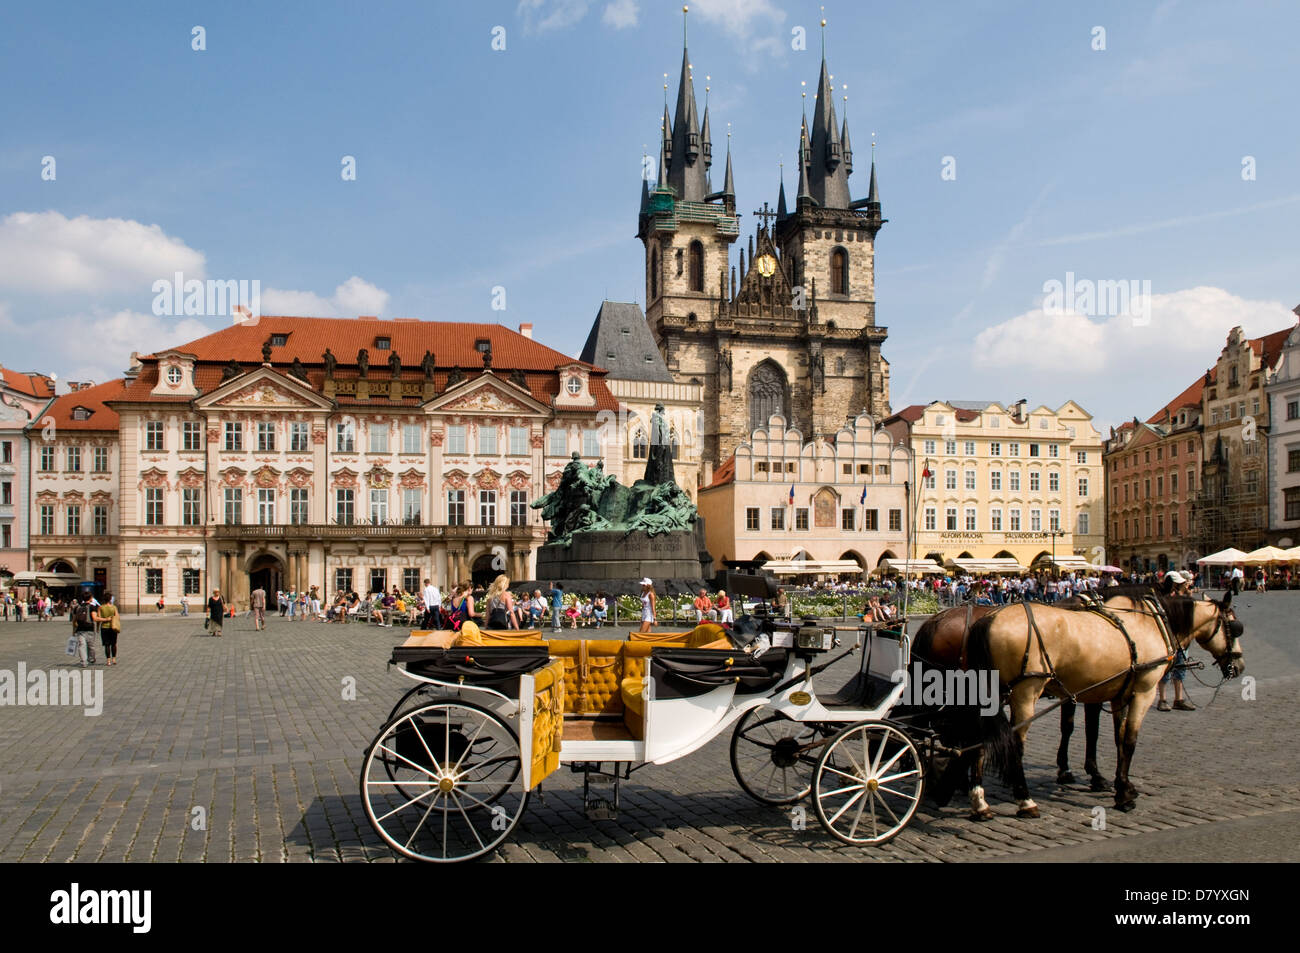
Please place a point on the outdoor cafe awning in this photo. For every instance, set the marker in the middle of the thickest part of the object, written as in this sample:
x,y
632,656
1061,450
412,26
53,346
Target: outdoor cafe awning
x,y
997,564
1072,563
786,567
1224,557
912,566
29,577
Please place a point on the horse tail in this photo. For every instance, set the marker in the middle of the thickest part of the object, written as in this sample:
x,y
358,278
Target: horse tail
x,y
1000,749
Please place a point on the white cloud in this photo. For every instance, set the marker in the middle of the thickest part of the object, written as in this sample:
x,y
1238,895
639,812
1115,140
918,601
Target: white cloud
x,y
354,297
749,21
620,14
539,16
49,253
1143,364
97,345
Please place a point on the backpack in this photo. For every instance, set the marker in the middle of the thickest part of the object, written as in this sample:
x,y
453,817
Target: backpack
x,y
81,619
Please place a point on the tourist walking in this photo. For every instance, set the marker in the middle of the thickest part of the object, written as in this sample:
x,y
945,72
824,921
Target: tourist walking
x,y
647,604
500,605
259,609
83,630
216,613
432,606
110,627
557,606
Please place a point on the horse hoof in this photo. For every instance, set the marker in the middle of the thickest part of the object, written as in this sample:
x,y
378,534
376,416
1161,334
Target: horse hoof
x,y
981,816
1027,812
1065,777
1100,784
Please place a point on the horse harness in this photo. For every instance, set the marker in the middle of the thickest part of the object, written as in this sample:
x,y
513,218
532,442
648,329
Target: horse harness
x,y
1092,604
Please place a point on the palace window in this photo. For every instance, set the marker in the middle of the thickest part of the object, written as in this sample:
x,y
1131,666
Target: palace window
x,y
299,513
895,521
99,520
344,506
995,519
970,519
928,446
153,582
99,459
456,439
1083,524
411,580
929,518
767,394
378,506
950,479
591,443
518,441
1053,482
970,479
1292,496
1035,521
1054,520
47,520
1014,519
74,459
1081,456
995,480
378,437
343,580
153,435
487,440
1053,450
640,445
298,436
1033,449
73,518
190,582
778,518
379,580
266,507
1292,409
1013,481
47,459
801,517
7,451
995,448
1292,460
558,442
518,507
192,435
234,441
751,519
191,513
1083,485
1034,481
1013,450
455,507
411,506
412,438
950,518
346,437
153,507
265,436
928,481
487,507
970,448
950,447
233,509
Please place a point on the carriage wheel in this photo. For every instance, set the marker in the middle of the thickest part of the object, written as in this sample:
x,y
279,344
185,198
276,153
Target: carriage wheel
x,y
411,694
868,783
772,756
438,782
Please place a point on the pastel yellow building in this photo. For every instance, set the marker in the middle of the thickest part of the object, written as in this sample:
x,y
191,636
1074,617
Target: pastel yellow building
x,y
1005,482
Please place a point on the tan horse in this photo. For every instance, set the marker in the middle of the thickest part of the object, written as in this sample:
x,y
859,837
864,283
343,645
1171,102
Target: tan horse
x,y
1116,656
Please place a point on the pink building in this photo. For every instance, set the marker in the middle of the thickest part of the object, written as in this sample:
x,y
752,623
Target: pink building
x,y
23,395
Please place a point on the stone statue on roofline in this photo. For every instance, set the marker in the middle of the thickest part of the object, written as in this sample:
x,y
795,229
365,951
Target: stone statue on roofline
x,y
266,351
363,362
231,370
331,362
427,364
395,365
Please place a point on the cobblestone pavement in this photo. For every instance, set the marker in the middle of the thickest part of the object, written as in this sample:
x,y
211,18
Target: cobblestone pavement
x,y
252,735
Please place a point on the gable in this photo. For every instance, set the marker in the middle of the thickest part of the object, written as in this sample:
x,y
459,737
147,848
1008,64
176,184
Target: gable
x,y
487,396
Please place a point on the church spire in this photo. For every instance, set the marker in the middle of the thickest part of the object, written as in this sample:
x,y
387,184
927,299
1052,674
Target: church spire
x,y
686,173
845,147
781,212
728,184
828,177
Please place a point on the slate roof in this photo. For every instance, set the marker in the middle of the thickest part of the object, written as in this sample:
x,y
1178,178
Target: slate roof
x,y
620,341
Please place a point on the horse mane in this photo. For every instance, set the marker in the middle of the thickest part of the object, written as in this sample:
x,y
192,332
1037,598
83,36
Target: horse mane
x,y
1180,610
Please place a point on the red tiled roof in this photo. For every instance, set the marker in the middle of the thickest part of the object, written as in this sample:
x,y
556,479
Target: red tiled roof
x,y
32,384
1186,399
95,399
914,412
452,343
1270,345
724,474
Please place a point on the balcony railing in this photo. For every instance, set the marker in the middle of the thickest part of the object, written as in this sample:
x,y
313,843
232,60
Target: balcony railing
x,y
394,530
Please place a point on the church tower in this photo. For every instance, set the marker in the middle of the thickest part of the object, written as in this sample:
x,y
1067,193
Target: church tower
x,y
791,330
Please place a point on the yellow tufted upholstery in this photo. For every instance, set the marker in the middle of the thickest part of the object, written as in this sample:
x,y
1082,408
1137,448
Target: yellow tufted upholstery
x,y
548,719
703,636
471,634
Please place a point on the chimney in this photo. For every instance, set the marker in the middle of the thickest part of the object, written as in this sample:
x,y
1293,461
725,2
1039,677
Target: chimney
x,y
526,330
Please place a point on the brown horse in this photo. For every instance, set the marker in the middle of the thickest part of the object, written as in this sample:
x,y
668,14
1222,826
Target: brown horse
x,y
1117,655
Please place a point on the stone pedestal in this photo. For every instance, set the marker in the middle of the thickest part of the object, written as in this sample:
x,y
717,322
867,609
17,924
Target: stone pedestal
x,y
616,561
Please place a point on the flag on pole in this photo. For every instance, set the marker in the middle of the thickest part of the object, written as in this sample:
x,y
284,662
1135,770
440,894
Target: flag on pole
x,y
863,500
926,474
792,494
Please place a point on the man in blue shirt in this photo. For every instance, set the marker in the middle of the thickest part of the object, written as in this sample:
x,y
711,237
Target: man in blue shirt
x,y
557,606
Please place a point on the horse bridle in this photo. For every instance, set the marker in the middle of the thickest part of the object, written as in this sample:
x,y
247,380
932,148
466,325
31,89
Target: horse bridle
x,y
1227,661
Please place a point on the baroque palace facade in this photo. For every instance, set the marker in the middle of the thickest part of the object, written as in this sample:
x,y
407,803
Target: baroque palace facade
x,y
257,455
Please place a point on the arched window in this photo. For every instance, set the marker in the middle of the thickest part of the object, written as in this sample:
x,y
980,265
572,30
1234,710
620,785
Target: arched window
x,y
697,267
839,367
839,272
654,274
640,445
767,394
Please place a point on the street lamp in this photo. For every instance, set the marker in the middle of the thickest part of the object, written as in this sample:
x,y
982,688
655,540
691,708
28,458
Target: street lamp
x,y
137,562
1056,571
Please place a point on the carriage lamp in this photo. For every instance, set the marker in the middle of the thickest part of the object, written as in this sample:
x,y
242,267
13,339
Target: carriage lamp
x,y
814,638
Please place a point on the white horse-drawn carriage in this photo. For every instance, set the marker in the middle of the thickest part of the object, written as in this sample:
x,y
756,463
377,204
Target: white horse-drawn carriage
x,y
494,714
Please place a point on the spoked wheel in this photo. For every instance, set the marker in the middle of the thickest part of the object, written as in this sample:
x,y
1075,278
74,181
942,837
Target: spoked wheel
x,y
773,756
439,782
419,695
868,783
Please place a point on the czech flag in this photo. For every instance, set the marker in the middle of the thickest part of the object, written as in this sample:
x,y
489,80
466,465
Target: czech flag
x,y
792,494
863,500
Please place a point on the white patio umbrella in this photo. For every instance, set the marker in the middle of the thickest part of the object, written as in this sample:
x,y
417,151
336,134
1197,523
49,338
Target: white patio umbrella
x,y
1265,555
1292,554
1224,557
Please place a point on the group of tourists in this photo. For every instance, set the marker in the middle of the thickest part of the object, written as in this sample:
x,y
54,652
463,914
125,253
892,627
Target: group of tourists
x,y
91,617
40,606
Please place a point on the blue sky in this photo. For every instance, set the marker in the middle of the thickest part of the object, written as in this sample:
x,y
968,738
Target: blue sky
x,y
519,168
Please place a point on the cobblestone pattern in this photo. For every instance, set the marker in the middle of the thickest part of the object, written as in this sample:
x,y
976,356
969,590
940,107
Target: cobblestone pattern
x,y
254,729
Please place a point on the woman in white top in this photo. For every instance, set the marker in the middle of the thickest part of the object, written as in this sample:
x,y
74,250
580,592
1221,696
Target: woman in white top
x,y
647,604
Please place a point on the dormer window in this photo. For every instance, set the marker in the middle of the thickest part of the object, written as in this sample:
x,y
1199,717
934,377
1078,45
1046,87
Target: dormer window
x,y
173,375
482,345
383,344
624,330
574,386
279,340
80,413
